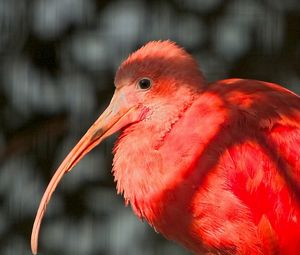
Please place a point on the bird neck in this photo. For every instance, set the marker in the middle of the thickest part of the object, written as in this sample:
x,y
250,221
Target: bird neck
x,y
152,157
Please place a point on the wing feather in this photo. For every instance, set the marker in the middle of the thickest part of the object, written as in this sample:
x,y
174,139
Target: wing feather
x,y
267,158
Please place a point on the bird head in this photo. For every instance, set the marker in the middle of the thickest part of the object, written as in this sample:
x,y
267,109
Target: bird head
x,y
156,74
153,83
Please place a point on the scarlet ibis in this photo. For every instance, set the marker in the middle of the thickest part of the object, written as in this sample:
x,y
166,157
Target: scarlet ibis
x,y
215,167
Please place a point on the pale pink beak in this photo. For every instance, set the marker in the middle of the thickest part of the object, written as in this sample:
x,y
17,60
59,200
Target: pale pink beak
x,y
117,115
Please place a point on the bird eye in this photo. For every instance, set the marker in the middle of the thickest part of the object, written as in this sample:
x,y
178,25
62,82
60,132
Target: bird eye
x,y
145,83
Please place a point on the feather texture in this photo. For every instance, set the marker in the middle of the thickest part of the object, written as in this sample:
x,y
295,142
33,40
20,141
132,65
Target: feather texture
x,y
230,184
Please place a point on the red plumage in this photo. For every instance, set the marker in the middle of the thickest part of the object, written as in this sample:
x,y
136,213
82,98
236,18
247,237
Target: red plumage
x,y
214,167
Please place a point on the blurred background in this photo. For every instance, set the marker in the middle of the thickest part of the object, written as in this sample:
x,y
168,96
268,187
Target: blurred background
x,y
57,64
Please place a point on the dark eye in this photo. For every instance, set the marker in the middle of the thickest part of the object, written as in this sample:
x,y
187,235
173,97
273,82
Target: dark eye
x,y
145,83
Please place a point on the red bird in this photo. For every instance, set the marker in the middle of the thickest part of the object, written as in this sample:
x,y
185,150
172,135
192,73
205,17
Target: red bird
x,y
215,167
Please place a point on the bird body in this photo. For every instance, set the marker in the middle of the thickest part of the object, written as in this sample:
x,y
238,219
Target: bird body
x,y
215,167
223,179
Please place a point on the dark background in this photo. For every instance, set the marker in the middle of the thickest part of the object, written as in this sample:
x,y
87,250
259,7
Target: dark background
x,y
57,63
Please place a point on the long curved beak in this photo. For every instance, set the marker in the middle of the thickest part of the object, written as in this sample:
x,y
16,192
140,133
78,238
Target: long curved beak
x,y
117,115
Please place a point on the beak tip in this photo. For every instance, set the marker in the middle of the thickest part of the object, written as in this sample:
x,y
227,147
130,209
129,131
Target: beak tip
x,y
34,247
33,250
